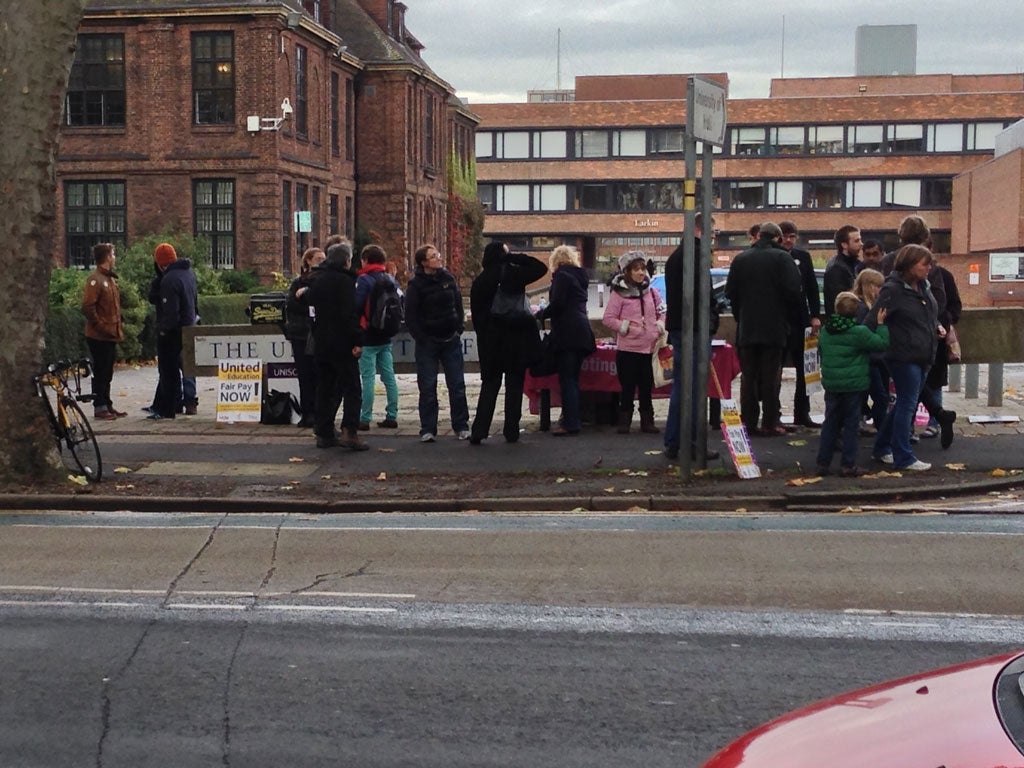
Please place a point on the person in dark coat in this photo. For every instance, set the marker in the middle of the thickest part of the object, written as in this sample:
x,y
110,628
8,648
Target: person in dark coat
x,y
764,289
914,330
841,270
571,334
949,306
807,316
337,344
175,309
296,330
674,326
436,319
505,351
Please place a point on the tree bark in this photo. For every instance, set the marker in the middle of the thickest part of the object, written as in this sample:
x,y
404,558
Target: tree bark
x,y
37,44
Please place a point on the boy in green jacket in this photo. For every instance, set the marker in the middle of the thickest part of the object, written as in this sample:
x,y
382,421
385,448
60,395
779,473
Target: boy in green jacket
x,y
844,349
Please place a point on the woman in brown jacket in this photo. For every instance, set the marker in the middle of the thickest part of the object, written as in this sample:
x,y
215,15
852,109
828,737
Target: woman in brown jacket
x,y
101,304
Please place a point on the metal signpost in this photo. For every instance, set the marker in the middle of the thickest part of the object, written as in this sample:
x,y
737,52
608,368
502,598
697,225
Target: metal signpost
x,y
705,122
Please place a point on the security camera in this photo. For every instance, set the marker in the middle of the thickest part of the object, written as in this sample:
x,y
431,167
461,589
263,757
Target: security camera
x,y
286,107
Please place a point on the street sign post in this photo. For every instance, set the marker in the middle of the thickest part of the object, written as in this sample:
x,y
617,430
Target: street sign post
x,y
705,121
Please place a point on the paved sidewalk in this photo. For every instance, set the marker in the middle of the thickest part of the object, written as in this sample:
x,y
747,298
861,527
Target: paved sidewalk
x,y
194,462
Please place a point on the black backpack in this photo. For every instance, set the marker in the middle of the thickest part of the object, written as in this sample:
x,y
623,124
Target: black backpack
x,y
387,313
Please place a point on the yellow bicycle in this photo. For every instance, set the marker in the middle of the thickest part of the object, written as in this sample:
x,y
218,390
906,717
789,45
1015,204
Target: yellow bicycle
x,y
76,441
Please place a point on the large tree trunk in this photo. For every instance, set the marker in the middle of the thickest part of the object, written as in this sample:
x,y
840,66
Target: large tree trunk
x,y
37,43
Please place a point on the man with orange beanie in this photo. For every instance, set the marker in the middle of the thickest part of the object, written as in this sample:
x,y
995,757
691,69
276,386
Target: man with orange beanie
x,y
175,309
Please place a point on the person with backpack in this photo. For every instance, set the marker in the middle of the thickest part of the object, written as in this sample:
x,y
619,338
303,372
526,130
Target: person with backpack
x,y
381,315
505,347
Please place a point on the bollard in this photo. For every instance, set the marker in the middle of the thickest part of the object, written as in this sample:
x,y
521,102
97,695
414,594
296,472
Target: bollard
x,y
971,382
995,385
955,373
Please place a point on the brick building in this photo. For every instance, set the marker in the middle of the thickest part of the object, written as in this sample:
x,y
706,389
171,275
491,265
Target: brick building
x,y
604,171
175,118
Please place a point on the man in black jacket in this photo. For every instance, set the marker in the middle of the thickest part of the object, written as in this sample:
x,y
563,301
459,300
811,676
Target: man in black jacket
x,y
177,298
807,316
674,325
840,272
764,289
337,344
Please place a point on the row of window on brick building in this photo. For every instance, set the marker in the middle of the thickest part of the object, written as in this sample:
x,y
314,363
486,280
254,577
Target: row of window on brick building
x,y
736,194
790,140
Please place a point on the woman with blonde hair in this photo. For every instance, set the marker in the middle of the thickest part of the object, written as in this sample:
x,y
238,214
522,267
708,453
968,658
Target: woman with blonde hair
x,y
866,287
571,334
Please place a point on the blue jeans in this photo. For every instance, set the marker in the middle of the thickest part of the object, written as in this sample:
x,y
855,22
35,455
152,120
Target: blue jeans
x,y
842,418
448,355
894,436
569,363
675,338
369,361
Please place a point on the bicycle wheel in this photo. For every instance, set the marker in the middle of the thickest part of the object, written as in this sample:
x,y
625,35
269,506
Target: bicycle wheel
x,y
81,443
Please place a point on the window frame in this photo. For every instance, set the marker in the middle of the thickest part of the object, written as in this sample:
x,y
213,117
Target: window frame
x,y
78,243
108,95
217,235
221,96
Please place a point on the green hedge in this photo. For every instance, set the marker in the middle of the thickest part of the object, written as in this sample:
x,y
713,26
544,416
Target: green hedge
x,y
65,327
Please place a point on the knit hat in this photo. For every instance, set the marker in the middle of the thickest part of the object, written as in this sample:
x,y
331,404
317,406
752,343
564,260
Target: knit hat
x,y
629,257
164,255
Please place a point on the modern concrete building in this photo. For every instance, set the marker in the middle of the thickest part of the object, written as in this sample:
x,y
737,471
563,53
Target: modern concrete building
x,y
226,118
604,172
885,49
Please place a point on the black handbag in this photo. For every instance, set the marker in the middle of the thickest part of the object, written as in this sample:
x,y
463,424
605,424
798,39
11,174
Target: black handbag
x,y
547,363
278,407
511,309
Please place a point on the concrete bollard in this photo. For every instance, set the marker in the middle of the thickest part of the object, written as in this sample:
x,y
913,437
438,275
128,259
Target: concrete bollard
x,y
971,382
995,385
955,374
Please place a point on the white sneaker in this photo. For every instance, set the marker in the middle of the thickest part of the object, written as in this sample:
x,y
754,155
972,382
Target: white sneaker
x,y
885,458
427,437
464,434
918,466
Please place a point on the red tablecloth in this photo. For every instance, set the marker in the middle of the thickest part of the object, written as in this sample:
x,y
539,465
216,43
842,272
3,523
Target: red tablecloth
x,y
599,374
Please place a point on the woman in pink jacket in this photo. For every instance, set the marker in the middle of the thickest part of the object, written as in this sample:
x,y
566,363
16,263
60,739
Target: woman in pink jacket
x,y
637,318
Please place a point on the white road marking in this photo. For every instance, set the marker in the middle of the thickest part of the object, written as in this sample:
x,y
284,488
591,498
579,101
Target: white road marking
x,y
205,592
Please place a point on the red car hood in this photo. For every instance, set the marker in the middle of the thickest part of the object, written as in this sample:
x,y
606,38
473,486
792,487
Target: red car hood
x,y
946,718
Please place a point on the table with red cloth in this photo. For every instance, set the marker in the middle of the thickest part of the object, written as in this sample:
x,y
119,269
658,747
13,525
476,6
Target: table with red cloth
x,y
599,374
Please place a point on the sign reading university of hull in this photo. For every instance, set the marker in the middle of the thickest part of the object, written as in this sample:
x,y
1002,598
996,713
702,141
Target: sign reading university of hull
x,y
709,119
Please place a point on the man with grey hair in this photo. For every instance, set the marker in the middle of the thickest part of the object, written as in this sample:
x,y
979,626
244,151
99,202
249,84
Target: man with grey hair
x,y
764,289
337,345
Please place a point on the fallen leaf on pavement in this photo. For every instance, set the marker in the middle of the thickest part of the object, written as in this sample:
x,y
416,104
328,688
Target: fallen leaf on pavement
x,y
121,471
296,459
796,443
286,488
382,476
798,481
885,473
124,486
850,511
386,450
999,473
295,482
653,453
959,467
80,479
563,480
638,473
610,490
325,477
741,510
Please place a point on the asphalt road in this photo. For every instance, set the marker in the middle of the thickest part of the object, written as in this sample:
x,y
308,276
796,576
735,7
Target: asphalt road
x,y
385,640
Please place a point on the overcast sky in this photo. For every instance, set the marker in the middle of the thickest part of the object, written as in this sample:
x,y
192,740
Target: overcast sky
x,y
496,50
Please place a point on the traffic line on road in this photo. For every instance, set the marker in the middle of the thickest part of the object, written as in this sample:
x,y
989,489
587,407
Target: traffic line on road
x,y
19,588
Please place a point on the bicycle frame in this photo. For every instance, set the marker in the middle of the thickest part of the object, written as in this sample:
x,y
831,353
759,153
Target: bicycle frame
x,y
70,427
